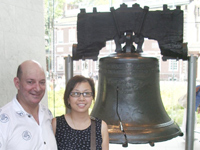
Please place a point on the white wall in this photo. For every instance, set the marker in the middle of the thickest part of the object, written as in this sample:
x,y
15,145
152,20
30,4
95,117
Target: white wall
x,y
21,38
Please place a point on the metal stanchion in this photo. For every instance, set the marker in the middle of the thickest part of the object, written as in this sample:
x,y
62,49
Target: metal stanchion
x,y
68,71
191,100
68,68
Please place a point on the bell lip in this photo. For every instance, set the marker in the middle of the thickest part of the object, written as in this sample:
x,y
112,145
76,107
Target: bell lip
x,y
144,141
143,126
146,136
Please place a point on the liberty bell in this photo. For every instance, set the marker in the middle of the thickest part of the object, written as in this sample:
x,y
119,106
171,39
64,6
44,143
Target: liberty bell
x,y
129,100
128,97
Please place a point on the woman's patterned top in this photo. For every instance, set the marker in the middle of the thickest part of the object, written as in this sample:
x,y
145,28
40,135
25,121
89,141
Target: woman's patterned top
x,y
70,139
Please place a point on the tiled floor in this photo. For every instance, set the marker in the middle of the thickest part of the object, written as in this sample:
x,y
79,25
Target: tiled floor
x,y
177,143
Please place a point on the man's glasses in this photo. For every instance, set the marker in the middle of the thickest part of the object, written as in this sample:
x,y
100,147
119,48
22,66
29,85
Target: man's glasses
x,y
78,94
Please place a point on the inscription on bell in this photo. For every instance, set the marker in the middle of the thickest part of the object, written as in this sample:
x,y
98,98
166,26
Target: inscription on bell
x,y
133,73
126,85
124,66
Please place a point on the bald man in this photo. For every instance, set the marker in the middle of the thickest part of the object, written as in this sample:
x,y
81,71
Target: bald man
x,y
25,124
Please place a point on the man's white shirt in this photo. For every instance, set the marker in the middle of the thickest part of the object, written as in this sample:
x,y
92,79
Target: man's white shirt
x,y
20,131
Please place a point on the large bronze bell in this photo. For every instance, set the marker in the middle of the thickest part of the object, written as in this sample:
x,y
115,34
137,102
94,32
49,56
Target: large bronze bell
x,y
129,100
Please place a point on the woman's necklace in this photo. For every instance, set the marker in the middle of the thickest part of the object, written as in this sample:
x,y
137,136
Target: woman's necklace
x,y
73,122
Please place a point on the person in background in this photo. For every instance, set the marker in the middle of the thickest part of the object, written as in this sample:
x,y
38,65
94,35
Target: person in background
x,y
73,130
25,124
183,102
197,99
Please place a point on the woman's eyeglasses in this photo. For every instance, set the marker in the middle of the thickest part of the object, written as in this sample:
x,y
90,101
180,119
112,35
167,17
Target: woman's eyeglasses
x,y
78,94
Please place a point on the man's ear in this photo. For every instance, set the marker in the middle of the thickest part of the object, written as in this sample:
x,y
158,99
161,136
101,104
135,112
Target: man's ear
x,y
16,82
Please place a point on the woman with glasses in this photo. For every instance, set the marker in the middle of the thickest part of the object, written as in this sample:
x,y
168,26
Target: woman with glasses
x,y
74,130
